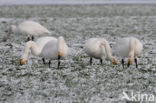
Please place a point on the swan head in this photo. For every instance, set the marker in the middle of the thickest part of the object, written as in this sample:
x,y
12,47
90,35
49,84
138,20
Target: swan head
x,y
23,59
129,61
114,61
59,54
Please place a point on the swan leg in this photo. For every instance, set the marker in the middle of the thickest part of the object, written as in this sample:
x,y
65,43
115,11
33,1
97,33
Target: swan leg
x,y
101,61
32,38
49,63
58,64
122,62
136,62
91,59
128,64
59,57
43,61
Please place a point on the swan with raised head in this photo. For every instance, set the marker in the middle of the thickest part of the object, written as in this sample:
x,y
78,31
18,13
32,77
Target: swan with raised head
x,y
128,47
97,48
47,47
30,28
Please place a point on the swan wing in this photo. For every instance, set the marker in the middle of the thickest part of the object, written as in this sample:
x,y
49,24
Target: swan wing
x,y
41,42
50,50
121,47
94,49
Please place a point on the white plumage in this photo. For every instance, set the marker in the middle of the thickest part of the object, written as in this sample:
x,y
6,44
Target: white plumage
x,y
128,47
97,48
30,28
47,47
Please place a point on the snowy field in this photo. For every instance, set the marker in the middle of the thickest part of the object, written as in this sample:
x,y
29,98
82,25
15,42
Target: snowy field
x,y
76,81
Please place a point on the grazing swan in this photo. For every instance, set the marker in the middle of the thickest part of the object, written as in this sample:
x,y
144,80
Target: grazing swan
x,y
47,47
128,47
29,28
97,47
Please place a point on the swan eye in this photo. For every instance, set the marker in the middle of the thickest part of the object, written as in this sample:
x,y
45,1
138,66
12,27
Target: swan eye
x,y
59,53
114,61
21,61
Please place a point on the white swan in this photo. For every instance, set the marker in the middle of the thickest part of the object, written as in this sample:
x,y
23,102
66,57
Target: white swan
x,y
128,47
97,47
30,28
47,47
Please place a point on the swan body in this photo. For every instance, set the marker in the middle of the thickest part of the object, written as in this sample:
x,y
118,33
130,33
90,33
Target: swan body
x,y
97,48
30,28
128,47
47,47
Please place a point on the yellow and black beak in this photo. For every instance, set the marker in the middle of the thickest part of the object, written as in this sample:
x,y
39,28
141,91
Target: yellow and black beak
x,y
129,62
114,62
59,55
21,61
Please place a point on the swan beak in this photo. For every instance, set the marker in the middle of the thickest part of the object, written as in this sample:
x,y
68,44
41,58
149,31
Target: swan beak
x,y
129,61
59,55
21,61
114,61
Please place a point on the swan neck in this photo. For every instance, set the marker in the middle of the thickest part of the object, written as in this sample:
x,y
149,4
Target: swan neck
x,y
61,43
107,49
30,45
132,47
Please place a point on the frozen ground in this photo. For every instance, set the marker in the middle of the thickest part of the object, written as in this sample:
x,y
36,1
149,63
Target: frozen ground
x,y
76,81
